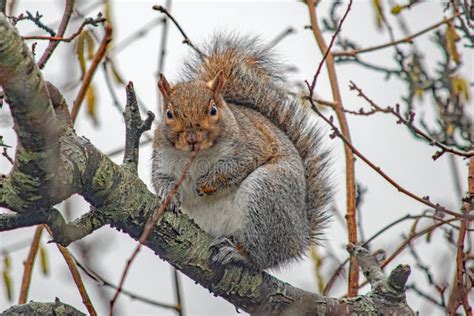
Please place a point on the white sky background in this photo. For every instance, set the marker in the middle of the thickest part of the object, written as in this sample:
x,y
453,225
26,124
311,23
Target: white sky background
x,y
387,144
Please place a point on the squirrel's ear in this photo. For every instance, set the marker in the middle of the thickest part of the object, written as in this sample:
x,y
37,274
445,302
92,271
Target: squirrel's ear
x,y
217,83
164,87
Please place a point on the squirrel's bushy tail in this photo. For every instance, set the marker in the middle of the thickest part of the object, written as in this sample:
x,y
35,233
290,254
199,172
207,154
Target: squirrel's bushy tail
x,y
255,79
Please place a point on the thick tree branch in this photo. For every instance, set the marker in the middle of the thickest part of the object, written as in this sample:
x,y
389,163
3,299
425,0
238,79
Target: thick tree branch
x,y
122,200
34,123
37,308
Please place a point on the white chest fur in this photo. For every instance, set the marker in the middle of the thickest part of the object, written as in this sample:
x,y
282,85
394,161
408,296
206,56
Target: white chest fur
x,y
217,214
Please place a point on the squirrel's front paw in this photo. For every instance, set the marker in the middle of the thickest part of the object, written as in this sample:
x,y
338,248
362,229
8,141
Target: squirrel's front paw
x,y
225,251
202,187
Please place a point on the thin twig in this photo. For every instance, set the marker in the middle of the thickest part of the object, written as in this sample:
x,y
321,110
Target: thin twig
x,y
76,277
151,223
88,21
162,55
409,123
30,260
35,19
61,29
425,296
372,238
177,292
7,156
349,157
186,40
110,87
460,291
408,39
288,31
120,150
19,245
136,35
322,44
99,55
424,200
410,239
103,282
455,173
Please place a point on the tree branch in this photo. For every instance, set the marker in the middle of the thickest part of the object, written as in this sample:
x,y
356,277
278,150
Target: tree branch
x,y
408,39
349,156
61,30
122,200
408,122
86,80
186,40
33,308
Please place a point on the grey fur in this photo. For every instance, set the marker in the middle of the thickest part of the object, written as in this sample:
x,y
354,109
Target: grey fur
x,y
267,165
262,87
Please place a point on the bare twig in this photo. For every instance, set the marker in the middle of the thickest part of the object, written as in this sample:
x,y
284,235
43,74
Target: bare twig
x,y
120,150
427,297
321,43
162,55
178,292
151,223
99,55
413,236
7,156
408,39
88,21
459,292
350,174
376,235
18,245
425,199
62,28
186,40
103,282
136,35
409,123
288,31
35,19
108,81
76,277
30,260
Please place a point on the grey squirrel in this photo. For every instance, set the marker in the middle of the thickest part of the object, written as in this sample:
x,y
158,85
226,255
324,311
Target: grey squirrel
x,y
259,183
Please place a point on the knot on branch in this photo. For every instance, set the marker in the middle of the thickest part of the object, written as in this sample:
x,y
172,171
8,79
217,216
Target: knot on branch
x,y
135,127
391,288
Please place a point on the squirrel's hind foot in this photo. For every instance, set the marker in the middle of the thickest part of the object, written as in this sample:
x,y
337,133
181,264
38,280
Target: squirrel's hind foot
x,y
224,251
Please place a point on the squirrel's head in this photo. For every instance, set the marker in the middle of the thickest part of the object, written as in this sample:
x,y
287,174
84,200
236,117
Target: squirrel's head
x,y
193,112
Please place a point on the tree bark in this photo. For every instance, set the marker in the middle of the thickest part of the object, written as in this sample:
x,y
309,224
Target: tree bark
x,y
52,163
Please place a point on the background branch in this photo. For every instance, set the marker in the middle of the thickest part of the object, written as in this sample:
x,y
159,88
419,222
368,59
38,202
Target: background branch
x,y
350,170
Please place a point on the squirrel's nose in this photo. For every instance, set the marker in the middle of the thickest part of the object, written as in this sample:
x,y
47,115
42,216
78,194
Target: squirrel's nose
x,y
191,139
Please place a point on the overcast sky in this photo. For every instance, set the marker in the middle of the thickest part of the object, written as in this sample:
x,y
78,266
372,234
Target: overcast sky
x,y
389,145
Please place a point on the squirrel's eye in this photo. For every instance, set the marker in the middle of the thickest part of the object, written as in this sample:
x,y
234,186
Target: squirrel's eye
x,y
169,114
213,110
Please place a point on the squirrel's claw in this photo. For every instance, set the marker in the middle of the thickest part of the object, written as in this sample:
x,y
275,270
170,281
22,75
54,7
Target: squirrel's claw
x,y
202,188
224,251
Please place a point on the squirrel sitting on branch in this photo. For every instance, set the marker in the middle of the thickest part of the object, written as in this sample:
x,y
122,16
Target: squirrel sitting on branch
x,y
259,183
